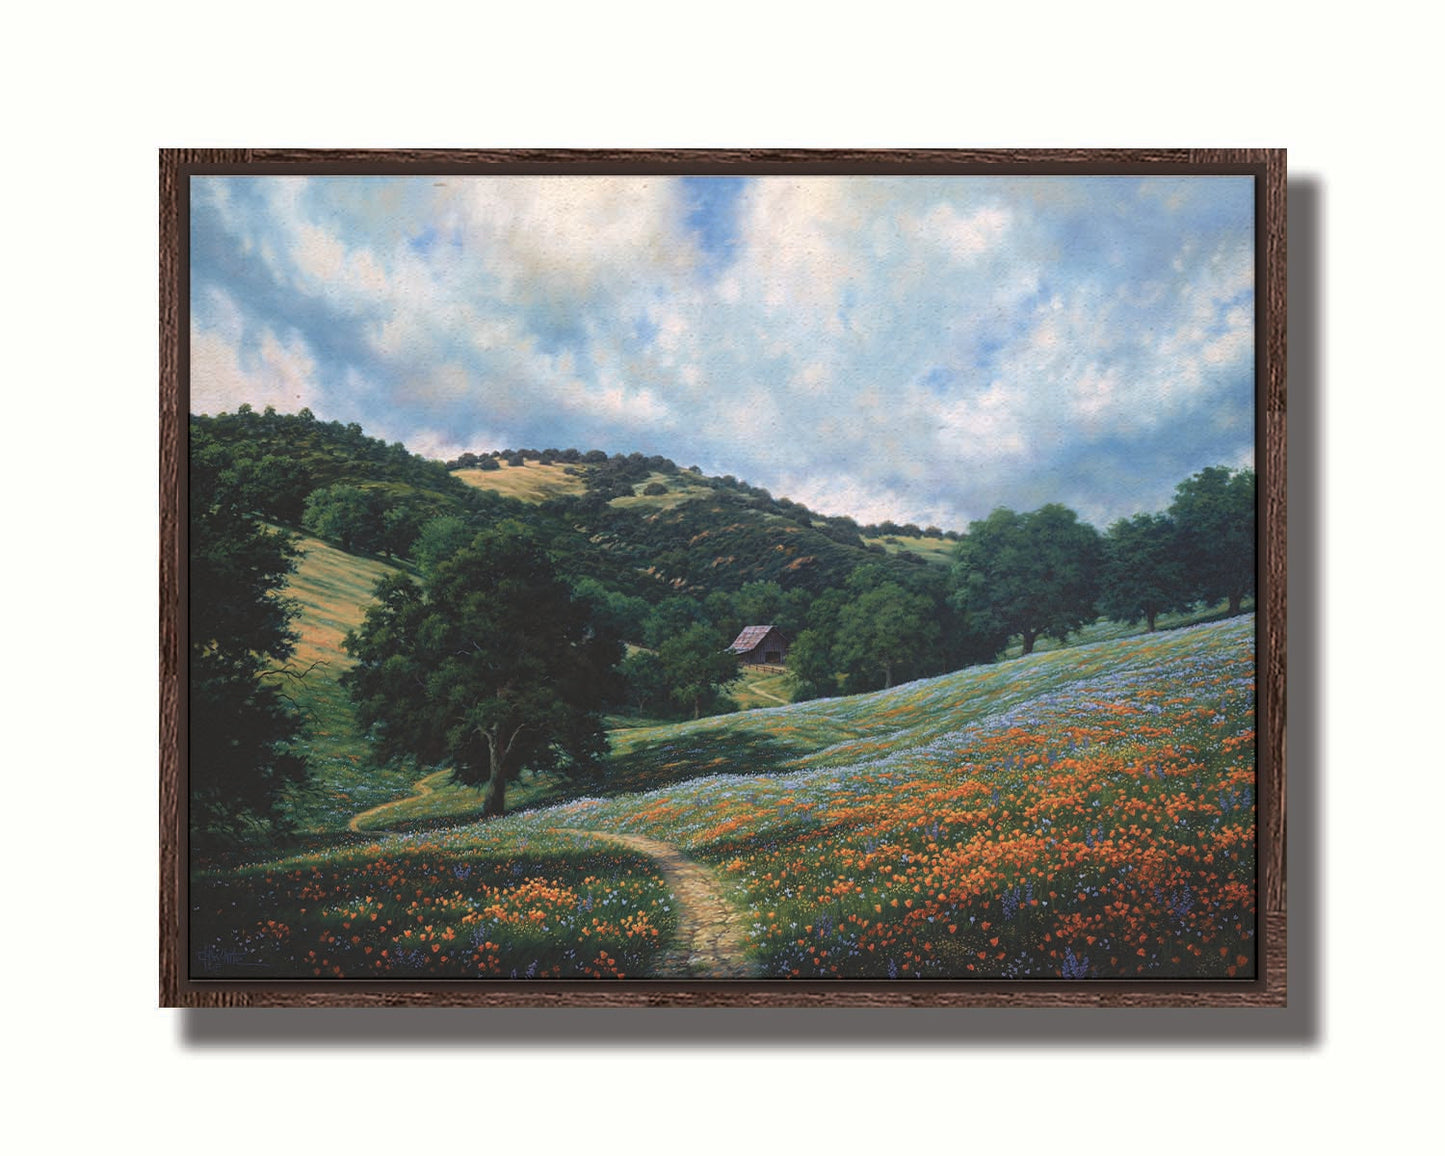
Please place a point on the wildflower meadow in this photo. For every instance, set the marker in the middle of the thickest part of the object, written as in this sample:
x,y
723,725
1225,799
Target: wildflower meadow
x,y
1079,814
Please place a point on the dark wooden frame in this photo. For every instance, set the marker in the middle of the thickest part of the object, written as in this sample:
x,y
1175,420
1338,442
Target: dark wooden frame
x,y
1268,168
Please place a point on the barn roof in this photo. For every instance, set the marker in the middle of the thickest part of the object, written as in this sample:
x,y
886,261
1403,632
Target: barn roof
x,y
749,638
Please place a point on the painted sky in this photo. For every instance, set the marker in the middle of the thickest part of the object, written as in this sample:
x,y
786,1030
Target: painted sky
x,y
921,349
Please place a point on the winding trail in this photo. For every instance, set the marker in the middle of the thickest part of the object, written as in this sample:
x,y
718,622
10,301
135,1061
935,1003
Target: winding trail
x,y
710,942
423,787
710,939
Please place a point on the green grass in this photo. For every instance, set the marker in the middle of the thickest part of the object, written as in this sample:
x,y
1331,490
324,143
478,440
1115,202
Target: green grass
x,y
443,800
767,737
761,688
835,731
333,589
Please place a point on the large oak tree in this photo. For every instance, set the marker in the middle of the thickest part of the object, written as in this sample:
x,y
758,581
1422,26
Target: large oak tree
x,y
697,664
884,629
1028,574
492,667
1143,574
1214,511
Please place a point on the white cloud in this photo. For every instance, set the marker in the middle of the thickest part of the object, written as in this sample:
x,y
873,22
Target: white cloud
x,y
334,268
963,237
985,426
950,342
278,374
616,403
573,234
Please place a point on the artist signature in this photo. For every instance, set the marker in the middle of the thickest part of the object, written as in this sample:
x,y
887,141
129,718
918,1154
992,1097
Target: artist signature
x,y
211,958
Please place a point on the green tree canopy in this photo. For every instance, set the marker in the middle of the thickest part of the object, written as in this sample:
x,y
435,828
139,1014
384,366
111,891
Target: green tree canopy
x,y
1028,574
884,629
348,515
671,617
810,663
1142,573
697,664
1214,511
241,725
493,667
439,539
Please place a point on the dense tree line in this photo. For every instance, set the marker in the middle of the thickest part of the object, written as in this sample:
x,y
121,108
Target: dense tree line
x,y
500,645
1045,573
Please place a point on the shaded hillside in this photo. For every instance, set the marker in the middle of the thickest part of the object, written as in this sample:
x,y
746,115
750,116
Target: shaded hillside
x,y
692,532
281,459
639,526
332,590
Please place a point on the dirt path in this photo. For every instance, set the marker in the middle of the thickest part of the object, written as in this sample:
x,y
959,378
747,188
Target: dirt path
x,y
422,787
710,939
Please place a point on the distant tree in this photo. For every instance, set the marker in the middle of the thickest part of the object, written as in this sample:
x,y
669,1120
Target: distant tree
x,y
242,727
401,522
1028,574
647,690
492,667
810,665
697,664
1214,511
671,617
1142,575
884,629
488,463
275,486
654,489
612,611
440,539
762,604
347,515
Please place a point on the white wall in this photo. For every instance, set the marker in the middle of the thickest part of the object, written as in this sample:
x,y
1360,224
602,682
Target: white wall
x,y
90,101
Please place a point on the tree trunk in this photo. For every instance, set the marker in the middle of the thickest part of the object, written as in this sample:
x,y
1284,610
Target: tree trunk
x,y
697,706
887,675
1150,618
1234,601
1029,636
494,805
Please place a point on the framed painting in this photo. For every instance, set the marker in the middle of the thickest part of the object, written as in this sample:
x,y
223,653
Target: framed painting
x,y
767,578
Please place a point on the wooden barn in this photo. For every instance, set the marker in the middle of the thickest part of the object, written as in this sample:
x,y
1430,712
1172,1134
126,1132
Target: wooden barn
x,y
761,646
